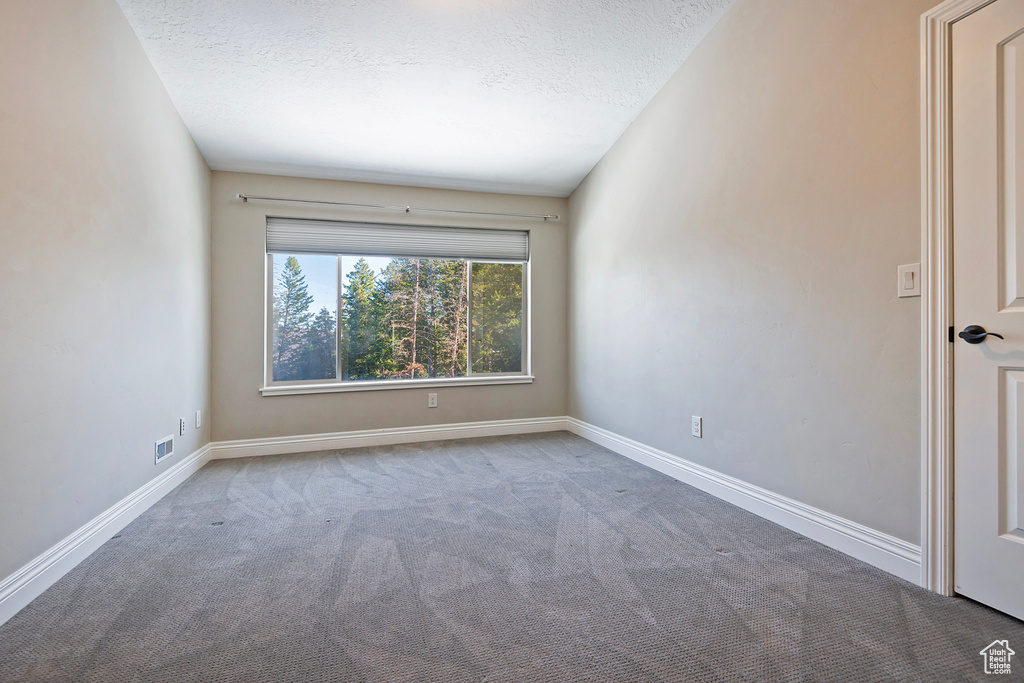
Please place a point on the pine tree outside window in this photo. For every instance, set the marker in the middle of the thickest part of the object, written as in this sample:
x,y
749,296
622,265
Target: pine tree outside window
x,y
305,345
372,320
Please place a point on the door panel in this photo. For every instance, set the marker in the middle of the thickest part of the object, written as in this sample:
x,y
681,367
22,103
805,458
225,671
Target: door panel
x,y
1011,453
1010,130
988,290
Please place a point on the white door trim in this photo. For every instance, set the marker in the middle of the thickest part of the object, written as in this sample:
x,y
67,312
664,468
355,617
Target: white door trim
x,y
937,301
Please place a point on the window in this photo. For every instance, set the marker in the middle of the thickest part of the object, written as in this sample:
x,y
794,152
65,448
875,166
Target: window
x,y
496,305
357,305
304,318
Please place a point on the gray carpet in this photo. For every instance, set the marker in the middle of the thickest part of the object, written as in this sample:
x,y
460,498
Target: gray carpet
x,y
533,558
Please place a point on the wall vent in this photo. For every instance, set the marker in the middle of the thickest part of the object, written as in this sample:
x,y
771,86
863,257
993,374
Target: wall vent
x,y
163,448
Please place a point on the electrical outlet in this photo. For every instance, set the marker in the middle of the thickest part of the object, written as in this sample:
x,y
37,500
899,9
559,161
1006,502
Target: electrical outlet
x,y
181,427
199,419
431,400
697,427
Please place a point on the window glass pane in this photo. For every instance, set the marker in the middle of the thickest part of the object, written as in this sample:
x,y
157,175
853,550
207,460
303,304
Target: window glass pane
x,y
403,318
497,317
305,315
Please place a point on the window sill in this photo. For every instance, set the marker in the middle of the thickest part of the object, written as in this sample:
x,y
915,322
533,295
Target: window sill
x,y
383,385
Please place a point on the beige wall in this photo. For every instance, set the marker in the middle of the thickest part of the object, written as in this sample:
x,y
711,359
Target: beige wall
x,y
734,256
239,229
104,271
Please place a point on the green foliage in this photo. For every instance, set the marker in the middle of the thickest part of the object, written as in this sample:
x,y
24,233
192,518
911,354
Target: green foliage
x,y
497,317
422,307
304,344
320,349
408,321
292,296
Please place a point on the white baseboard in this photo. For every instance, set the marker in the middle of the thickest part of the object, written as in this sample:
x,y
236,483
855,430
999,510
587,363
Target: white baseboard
x,y
30,581
868,545
383,437
26,584
881,550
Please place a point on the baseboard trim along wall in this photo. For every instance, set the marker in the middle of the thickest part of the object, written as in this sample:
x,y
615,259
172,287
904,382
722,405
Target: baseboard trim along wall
x,y
29,582
868,545
881,550
384,437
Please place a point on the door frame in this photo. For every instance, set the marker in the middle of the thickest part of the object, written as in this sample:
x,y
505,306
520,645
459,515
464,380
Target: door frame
x,y
937,291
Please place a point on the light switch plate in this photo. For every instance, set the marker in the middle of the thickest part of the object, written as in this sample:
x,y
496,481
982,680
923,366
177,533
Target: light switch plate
x,y
909,280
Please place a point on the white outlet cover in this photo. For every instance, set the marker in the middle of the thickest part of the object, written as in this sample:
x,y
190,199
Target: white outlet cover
x,y
697,427
199,419
431,400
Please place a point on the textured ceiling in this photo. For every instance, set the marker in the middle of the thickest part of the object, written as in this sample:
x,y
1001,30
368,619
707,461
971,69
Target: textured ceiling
x,y
502,95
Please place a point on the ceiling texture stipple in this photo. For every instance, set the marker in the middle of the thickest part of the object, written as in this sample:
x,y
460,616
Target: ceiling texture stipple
x,y
518,96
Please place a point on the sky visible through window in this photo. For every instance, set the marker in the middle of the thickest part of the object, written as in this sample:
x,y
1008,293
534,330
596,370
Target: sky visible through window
x,y
399,318
321,275
377,263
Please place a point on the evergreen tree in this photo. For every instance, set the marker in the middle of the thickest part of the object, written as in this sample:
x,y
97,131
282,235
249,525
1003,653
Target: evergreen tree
x,y
421,307
360,324
293,295
320,350
497,317
451,310
412,320
399,296
291,320
414,367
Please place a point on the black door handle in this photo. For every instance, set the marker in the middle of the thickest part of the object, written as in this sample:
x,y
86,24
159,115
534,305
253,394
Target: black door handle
x,y
976,334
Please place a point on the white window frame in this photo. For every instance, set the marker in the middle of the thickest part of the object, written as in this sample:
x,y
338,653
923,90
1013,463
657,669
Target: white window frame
x,y
323,386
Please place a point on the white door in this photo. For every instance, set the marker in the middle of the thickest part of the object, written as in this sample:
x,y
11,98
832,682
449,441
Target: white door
x,y
988,291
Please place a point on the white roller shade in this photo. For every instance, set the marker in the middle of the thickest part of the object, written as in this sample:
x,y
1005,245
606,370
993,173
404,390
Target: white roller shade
x,y
298,236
